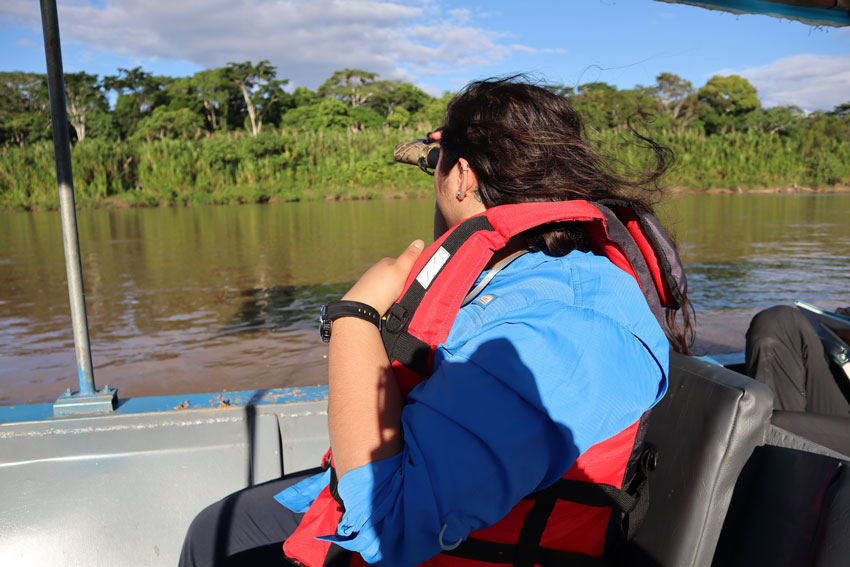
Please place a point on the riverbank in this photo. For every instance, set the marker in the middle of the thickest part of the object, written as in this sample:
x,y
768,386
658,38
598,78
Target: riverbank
x,y
236,197
286,166
793,188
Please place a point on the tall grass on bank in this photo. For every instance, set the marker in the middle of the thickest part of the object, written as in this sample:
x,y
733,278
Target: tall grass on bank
x,y
298,165
744,160
228,168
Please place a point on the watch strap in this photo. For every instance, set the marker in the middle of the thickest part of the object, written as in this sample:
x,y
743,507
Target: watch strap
x,y
344,308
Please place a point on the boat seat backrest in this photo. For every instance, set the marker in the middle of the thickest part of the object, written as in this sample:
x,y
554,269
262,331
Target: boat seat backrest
x,y
704,430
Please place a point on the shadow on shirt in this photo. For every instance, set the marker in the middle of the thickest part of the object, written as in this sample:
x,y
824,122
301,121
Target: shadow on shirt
x,y
478,439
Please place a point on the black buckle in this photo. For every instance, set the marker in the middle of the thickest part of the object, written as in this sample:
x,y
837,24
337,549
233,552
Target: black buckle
x,y
396,319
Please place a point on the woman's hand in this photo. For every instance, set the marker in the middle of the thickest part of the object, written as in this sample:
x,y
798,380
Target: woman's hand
x,y
381,285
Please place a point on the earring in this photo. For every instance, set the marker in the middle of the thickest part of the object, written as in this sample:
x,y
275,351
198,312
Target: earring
x,y
457,195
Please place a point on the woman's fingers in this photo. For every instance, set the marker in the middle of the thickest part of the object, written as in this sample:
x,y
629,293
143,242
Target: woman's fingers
x,y
407,258
383,282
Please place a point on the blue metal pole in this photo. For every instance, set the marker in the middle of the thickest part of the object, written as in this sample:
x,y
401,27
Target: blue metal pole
x,y
70,238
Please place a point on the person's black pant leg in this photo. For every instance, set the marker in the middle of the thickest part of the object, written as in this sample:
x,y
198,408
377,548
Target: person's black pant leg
x,y
785,352
245,528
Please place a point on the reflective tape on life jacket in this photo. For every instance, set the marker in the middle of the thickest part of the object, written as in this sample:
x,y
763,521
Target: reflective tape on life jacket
x,y
600,500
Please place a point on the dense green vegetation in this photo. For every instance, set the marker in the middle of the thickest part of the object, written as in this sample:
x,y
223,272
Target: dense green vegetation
x,y
236,134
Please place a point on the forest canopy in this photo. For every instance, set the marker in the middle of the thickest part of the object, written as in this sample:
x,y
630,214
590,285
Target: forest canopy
x,y
241,125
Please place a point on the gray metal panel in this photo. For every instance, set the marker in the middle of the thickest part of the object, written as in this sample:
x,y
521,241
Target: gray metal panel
x,y
301,437
122,489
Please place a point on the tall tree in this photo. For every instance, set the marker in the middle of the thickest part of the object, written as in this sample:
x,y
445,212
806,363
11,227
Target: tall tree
x,y
842,110
732,95
302,96
604,106
24,107
214,89
677,98
165,122
352,86
139,93
83,96
259,88
391,95
672,91
776,120
726,100
434,111
149,90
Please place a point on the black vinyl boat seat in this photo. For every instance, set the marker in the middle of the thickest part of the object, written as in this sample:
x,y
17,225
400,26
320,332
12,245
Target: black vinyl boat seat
x,y
826,430
725,484
705,430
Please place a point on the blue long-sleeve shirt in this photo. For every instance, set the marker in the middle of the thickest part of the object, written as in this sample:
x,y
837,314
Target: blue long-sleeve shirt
x,y
554,356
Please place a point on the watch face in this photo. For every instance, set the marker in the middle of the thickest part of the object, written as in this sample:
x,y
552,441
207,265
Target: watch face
x,y
324,325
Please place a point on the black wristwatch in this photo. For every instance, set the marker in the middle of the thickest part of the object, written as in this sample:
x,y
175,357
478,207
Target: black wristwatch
x,y
343,308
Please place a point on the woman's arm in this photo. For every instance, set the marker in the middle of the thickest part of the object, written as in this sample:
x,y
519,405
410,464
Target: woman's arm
x,y
364,403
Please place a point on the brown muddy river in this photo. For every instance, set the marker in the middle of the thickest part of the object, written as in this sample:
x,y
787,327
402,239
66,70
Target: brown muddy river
x,y
201,299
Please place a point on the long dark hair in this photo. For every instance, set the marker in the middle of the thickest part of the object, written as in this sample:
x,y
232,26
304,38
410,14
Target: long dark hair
x,y
526,144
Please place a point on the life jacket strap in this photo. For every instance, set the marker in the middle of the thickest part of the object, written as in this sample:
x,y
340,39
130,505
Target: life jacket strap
x,y
632,501
403,347
498,267
667,269
510,554
337,557
619,234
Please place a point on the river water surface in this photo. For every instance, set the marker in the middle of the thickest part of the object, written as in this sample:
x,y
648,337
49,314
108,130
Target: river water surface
x,y
201,299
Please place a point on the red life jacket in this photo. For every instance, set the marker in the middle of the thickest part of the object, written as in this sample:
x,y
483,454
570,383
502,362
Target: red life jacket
x,y
586,514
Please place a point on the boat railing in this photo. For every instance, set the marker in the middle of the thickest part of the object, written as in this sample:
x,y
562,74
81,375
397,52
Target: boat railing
x,y
88,400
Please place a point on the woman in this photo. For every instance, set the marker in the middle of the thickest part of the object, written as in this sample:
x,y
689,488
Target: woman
x,y
556,356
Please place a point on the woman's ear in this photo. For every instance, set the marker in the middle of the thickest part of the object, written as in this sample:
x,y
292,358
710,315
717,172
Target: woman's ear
x,y
468,178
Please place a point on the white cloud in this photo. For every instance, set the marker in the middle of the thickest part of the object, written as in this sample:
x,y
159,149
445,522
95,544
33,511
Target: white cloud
x,y
527,49
462,15
16,12
812,82
306,39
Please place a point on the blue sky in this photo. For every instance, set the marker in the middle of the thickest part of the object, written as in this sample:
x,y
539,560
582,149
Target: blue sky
x,y
442,45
